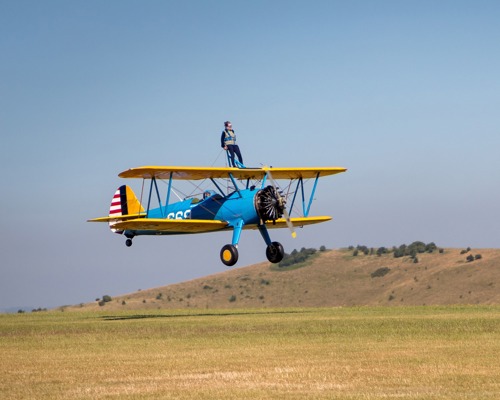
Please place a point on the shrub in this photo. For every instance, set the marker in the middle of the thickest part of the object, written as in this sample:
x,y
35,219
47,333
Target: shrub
x,y
418,247
415,248
478,256
364,249
400,251
431,247
232,299
381,250
296,257
322,248
380,272
470,258
106,298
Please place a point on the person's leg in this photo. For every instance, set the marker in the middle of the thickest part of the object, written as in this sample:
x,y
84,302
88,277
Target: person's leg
x,y
238,153
230,147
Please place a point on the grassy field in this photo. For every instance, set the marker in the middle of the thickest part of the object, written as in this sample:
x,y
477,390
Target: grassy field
x,y
328,353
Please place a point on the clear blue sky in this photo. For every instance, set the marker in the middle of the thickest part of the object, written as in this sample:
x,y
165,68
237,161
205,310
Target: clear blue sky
x,y
405,94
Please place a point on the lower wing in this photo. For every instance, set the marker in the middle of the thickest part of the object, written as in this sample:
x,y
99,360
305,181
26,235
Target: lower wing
x,y
298,222
171,225
196,225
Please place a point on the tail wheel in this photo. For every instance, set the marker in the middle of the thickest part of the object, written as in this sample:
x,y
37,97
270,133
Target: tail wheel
x,y
229,255
128,242
275,252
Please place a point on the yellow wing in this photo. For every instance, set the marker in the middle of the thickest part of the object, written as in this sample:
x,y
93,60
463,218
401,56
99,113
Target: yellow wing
x,y
298,222
171,225
197,173
125,222
117,218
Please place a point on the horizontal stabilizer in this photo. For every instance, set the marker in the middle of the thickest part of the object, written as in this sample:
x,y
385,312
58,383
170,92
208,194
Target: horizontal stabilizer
x,y
117,218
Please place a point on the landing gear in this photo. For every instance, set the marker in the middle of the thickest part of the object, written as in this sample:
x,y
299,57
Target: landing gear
x,y
229,255
275,252
128,242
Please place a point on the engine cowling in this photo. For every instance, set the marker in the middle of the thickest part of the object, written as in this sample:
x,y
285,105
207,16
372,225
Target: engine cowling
x,y
270,204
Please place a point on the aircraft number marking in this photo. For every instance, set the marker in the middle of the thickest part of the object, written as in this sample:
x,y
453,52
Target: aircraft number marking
x,y
180,215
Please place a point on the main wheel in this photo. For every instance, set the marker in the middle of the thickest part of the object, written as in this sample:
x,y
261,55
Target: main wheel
x,y
128,242
275,252
229,255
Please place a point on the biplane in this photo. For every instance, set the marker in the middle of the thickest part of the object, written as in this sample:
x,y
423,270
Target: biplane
x,y
238,199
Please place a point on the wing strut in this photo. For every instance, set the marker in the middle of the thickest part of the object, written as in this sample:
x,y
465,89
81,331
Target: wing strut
x,y
300,184
169,190
306,212
235,185
153,183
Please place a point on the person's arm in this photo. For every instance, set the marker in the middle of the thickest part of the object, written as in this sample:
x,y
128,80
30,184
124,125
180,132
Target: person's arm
x,y
222,144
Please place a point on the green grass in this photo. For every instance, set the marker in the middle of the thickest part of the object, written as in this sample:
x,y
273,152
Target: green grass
x,y
334,353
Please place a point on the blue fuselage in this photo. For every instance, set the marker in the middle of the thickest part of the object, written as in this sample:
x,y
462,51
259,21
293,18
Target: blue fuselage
x,y
237,207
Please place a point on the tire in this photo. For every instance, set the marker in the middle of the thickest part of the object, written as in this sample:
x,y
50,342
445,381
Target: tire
x,y
128,242
229,255
275,252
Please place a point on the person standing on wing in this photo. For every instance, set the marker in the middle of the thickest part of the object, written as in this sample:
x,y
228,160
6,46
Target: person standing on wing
x,y
228,142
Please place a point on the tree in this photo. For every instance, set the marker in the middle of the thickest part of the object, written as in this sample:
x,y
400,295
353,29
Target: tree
x,y
106,298
381,250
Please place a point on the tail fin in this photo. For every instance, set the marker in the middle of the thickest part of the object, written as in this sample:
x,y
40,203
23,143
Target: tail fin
x,y
124,202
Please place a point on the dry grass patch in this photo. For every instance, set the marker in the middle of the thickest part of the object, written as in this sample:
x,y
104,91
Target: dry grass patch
x,y
340,353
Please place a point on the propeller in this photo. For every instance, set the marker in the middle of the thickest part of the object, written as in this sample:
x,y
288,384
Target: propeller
x,y
282,202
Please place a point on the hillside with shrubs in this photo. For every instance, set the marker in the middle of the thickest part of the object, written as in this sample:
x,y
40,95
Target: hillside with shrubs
x,y
414,274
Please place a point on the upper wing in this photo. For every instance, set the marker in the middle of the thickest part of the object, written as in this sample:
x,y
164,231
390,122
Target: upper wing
x,y
171,225
304,173
197,173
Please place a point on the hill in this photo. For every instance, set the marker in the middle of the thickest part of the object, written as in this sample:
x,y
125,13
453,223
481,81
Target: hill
x,y
333,278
